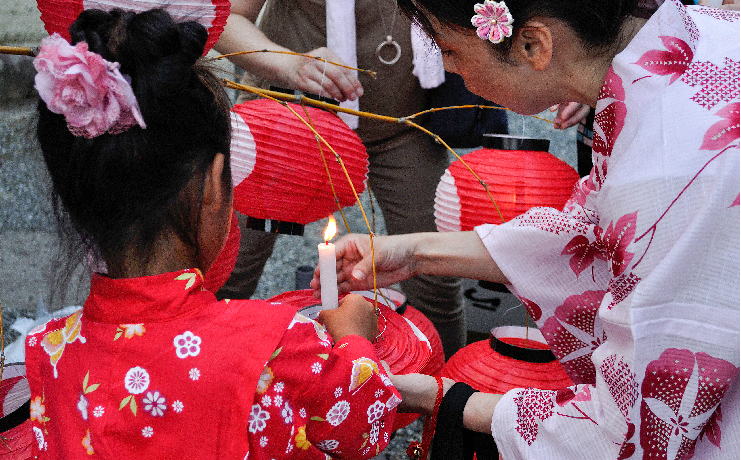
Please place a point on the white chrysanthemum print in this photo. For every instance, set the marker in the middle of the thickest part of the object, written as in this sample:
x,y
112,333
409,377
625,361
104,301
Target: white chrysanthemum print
x,y
154,403
82,406
187,344
302,412
278,400
266,400
287,414
147,431
137,380
278,387
328,444
338,392
177,406
32,341
378,393
375,411
99,411
375,430
39,437
338,413
316,368
263,441
194,374
258,419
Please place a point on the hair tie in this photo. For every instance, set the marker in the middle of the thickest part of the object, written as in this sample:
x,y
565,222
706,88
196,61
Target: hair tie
x,y
492,20
91,93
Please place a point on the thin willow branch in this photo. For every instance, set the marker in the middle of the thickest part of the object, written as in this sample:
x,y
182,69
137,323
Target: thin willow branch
x,y
292,53
275,95
19,50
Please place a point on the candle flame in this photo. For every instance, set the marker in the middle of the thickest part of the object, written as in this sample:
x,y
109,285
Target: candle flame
x,y
331,230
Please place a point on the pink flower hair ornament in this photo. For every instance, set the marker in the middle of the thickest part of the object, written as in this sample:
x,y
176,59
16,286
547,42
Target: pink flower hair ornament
x,y
91,93
492,20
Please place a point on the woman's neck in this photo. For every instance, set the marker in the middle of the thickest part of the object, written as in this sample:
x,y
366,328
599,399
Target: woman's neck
x,y
600,63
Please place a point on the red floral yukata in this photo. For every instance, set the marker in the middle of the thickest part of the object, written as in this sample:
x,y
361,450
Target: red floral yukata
x,y
635,284
156,367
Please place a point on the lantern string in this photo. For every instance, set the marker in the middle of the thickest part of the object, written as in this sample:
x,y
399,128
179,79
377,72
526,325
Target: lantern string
x,y
291,53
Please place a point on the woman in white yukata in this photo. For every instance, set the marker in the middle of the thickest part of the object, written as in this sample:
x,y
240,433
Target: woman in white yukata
x,y
635,283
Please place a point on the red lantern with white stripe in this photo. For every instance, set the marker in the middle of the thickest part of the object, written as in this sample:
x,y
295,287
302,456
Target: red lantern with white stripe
x,y
277,167
58,15
520,173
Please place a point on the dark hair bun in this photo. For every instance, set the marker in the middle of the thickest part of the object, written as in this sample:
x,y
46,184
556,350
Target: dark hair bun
x,y
149,43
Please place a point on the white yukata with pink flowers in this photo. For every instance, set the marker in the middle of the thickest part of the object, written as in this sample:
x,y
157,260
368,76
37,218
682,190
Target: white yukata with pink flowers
x,y
635,285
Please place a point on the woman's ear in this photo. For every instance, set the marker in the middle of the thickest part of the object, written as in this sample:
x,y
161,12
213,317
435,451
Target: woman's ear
x,y
214,188
534,44
216,211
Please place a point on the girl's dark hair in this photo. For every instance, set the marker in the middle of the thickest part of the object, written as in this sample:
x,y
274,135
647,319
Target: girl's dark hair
x,y
120,192
596,22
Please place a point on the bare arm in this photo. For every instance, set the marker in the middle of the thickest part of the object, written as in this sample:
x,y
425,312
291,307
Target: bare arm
x,y
400,257
297,72
419,392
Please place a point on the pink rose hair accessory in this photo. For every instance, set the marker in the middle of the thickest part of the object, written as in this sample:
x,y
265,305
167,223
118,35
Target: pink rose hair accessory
x,y
492,20
91,93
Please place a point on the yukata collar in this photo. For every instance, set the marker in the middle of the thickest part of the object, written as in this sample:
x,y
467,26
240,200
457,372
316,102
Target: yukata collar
x,y
146,299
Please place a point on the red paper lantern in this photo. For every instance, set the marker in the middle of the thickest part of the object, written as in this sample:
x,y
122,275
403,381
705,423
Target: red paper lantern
x,y
401,344
15,394
58,15
277,167
397,301
517,362
519,177
223,266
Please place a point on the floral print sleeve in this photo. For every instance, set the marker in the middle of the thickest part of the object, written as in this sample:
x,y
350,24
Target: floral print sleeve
x,y
314,398
635,284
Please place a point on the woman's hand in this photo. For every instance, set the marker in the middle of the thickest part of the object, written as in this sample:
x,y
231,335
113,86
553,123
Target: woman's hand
x,y
319,77
393,256
354,316
569,114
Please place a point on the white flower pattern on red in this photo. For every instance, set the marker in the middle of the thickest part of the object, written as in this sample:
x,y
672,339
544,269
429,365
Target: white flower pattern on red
x,y
258,419
376,411
338,413
137,380
187,344
154,403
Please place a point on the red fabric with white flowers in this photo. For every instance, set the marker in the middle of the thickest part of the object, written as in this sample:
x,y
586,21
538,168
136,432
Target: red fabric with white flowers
x,y
156,367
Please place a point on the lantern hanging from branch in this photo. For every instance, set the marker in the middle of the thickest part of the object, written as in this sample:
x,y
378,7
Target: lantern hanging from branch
x,y
278,171
58,15
520,173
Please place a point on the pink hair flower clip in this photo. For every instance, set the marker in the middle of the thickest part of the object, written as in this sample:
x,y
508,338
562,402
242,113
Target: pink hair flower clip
x,y
91,93
492,20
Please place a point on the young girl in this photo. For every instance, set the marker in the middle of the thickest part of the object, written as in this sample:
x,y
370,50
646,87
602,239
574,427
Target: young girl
x,y
135,134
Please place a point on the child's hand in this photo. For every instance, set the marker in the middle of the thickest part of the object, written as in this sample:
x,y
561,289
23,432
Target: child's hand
x,y
355,316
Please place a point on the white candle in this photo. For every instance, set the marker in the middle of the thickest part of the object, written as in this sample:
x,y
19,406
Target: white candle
x,y
328,268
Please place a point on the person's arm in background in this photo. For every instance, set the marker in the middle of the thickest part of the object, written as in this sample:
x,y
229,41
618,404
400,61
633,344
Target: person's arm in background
x,y
295,72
